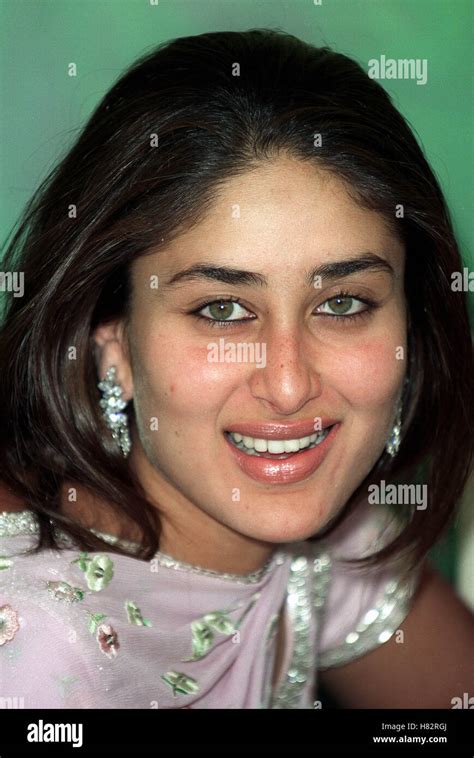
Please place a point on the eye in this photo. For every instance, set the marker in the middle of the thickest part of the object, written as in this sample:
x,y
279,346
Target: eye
x,y
223,311
343,305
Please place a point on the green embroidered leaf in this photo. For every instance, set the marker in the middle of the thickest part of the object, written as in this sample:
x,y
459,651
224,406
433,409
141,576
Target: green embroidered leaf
x,y
271,629
180,683
253,600
66,683
220,621
203,635
83,561
5,562
94,621
134,614
202,639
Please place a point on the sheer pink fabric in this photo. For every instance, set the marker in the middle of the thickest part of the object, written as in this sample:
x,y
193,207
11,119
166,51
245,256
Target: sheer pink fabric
x,y
102,630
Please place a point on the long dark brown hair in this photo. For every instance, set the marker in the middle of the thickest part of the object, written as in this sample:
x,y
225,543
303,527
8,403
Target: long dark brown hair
x,y
218,104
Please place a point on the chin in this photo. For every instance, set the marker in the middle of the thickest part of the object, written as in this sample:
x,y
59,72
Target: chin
x,y
290,527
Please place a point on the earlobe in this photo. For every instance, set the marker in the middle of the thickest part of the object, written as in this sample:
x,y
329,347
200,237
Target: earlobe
x,y
111,350
106,332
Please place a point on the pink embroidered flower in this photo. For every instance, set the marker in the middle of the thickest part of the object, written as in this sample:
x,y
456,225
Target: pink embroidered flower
x,y
9,623
108,640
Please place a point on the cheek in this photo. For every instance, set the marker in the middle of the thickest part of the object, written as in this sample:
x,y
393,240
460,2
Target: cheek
x,y
369,373
181,373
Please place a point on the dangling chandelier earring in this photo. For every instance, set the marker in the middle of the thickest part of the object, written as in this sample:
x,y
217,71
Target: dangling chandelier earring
x,y
113,405
393,442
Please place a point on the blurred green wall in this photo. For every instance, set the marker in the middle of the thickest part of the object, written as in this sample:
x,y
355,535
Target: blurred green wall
x,y
43,108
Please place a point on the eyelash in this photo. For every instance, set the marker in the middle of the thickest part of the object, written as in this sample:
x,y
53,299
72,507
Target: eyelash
x,y
371,305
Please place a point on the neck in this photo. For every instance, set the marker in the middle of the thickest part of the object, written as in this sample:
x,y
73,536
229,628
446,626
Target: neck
x,y
193,536
187,533
217,552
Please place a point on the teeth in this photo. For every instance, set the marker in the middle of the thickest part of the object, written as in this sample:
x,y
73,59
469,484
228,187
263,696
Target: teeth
x,y
291,446
254,446
275,446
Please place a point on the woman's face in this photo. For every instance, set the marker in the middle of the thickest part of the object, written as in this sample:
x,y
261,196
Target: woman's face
x,y
307,360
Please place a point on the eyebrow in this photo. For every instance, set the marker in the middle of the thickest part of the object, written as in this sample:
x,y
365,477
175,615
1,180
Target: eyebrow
x,y
238,277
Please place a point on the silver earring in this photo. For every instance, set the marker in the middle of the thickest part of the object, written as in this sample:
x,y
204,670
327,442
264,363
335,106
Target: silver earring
x,y
113,405
393,442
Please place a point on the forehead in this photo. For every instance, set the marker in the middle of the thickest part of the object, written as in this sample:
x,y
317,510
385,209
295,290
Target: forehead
x,y
284,210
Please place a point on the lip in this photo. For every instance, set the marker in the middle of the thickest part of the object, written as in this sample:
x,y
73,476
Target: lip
x,y
295,468
279,431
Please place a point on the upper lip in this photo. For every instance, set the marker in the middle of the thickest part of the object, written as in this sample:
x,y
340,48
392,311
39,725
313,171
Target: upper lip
x,y
280,431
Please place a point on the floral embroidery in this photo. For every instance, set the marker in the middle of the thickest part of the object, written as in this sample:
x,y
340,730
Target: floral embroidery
x,y
202,629
203,632
9,623
180,683
105,634
108,640
98,570
64,591
94,621
5,562
99,573
134,614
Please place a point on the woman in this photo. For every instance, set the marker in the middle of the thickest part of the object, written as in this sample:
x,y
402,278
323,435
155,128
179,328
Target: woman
x,y
248,254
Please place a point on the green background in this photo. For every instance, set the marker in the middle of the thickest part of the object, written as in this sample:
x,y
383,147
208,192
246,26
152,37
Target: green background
x,y
43,108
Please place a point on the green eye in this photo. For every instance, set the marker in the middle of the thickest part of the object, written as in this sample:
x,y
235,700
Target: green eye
x,y
340,305
221,310
343,305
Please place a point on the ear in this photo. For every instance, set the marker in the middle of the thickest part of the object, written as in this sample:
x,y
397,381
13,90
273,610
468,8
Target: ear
x,y
111,349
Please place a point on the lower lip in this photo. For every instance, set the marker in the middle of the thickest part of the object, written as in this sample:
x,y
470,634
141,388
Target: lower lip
x,y
295,468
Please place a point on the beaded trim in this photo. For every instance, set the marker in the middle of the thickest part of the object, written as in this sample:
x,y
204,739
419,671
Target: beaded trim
x,y
321,579
17,523
13,524
163,559
376,627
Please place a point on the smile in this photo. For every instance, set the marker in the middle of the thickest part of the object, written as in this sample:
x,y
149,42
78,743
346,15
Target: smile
x,y
280,453
279,449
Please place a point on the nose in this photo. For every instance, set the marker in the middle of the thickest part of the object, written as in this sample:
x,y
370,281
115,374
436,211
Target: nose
x,y
290,376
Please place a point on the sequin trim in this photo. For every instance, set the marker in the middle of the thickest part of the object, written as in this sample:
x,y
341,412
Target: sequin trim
x,y
17,523
13,524
377,625
321,579
308,580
